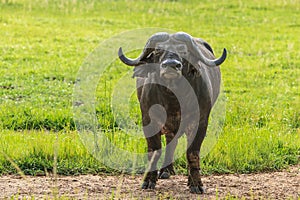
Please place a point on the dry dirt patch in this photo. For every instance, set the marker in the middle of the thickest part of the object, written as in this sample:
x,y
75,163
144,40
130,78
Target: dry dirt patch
x,y
275,185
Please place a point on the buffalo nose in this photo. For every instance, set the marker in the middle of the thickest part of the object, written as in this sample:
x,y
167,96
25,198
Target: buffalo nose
x,y
175,64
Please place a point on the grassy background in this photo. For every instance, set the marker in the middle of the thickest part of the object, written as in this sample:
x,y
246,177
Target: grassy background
x,y
43,44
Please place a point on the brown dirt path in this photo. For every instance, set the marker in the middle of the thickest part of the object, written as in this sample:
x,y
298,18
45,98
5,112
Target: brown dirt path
x,y
275,185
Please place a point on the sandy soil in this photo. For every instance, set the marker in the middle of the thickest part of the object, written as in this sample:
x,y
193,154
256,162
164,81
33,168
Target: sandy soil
x,y
276,185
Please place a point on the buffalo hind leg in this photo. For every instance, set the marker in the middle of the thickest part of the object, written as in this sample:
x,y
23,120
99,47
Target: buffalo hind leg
x,y
154,153
167,170
193,157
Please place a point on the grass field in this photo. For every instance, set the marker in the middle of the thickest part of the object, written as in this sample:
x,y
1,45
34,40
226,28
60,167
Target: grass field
x,y
44,43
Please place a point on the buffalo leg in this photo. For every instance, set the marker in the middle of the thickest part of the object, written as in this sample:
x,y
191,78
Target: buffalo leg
x,y
168,168
154,153
193,157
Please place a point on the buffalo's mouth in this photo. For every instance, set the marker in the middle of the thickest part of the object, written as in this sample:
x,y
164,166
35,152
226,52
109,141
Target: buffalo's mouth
x,y
170,69
170,75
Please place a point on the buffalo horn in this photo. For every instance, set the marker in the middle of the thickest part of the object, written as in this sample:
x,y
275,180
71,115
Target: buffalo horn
x,y
192,44
158,37
209,62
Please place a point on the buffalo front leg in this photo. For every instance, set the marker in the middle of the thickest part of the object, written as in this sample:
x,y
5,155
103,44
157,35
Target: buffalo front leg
x,y
193,158
167,170
154,153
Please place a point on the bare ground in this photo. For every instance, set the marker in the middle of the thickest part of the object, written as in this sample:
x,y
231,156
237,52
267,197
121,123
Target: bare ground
x,y
275,185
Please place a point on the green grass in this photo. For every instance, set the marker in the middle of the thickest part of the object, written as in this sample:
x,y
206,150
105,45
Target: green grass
x,y
36,152
43,44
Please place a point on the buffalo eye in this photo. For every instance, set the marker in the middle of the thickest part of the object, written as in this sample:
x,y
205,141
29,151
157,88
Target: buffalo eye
x,y
158,51
182,49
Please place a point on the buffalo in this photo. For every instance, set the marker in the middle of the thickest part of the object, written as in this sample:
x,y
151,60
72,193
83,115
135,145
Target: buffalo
x,y
178,81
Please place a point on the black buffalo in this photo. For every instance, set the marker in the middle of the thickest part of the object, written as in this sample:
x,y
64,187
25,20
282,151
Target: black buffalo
x,y
180,74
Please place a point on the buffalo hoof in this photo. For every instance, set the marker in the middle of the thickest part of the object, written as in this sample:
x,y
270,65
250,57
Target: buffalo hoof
x,y
148,185
197,189
164,175
166,172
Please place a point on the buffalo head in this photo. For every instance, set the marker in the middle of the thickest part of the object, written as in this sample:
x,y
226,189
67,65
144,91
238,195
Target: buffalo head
x,y
171,55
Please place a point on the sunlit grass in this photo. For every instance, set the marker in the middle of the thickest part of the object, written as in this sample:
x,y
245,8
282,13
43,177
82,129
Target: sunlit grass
x,y
43,44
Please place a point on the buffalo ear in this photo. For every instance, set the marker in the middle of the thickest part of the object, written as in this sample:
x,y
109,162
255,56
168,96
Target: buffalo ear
x,y
143,70
207,46
191,71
